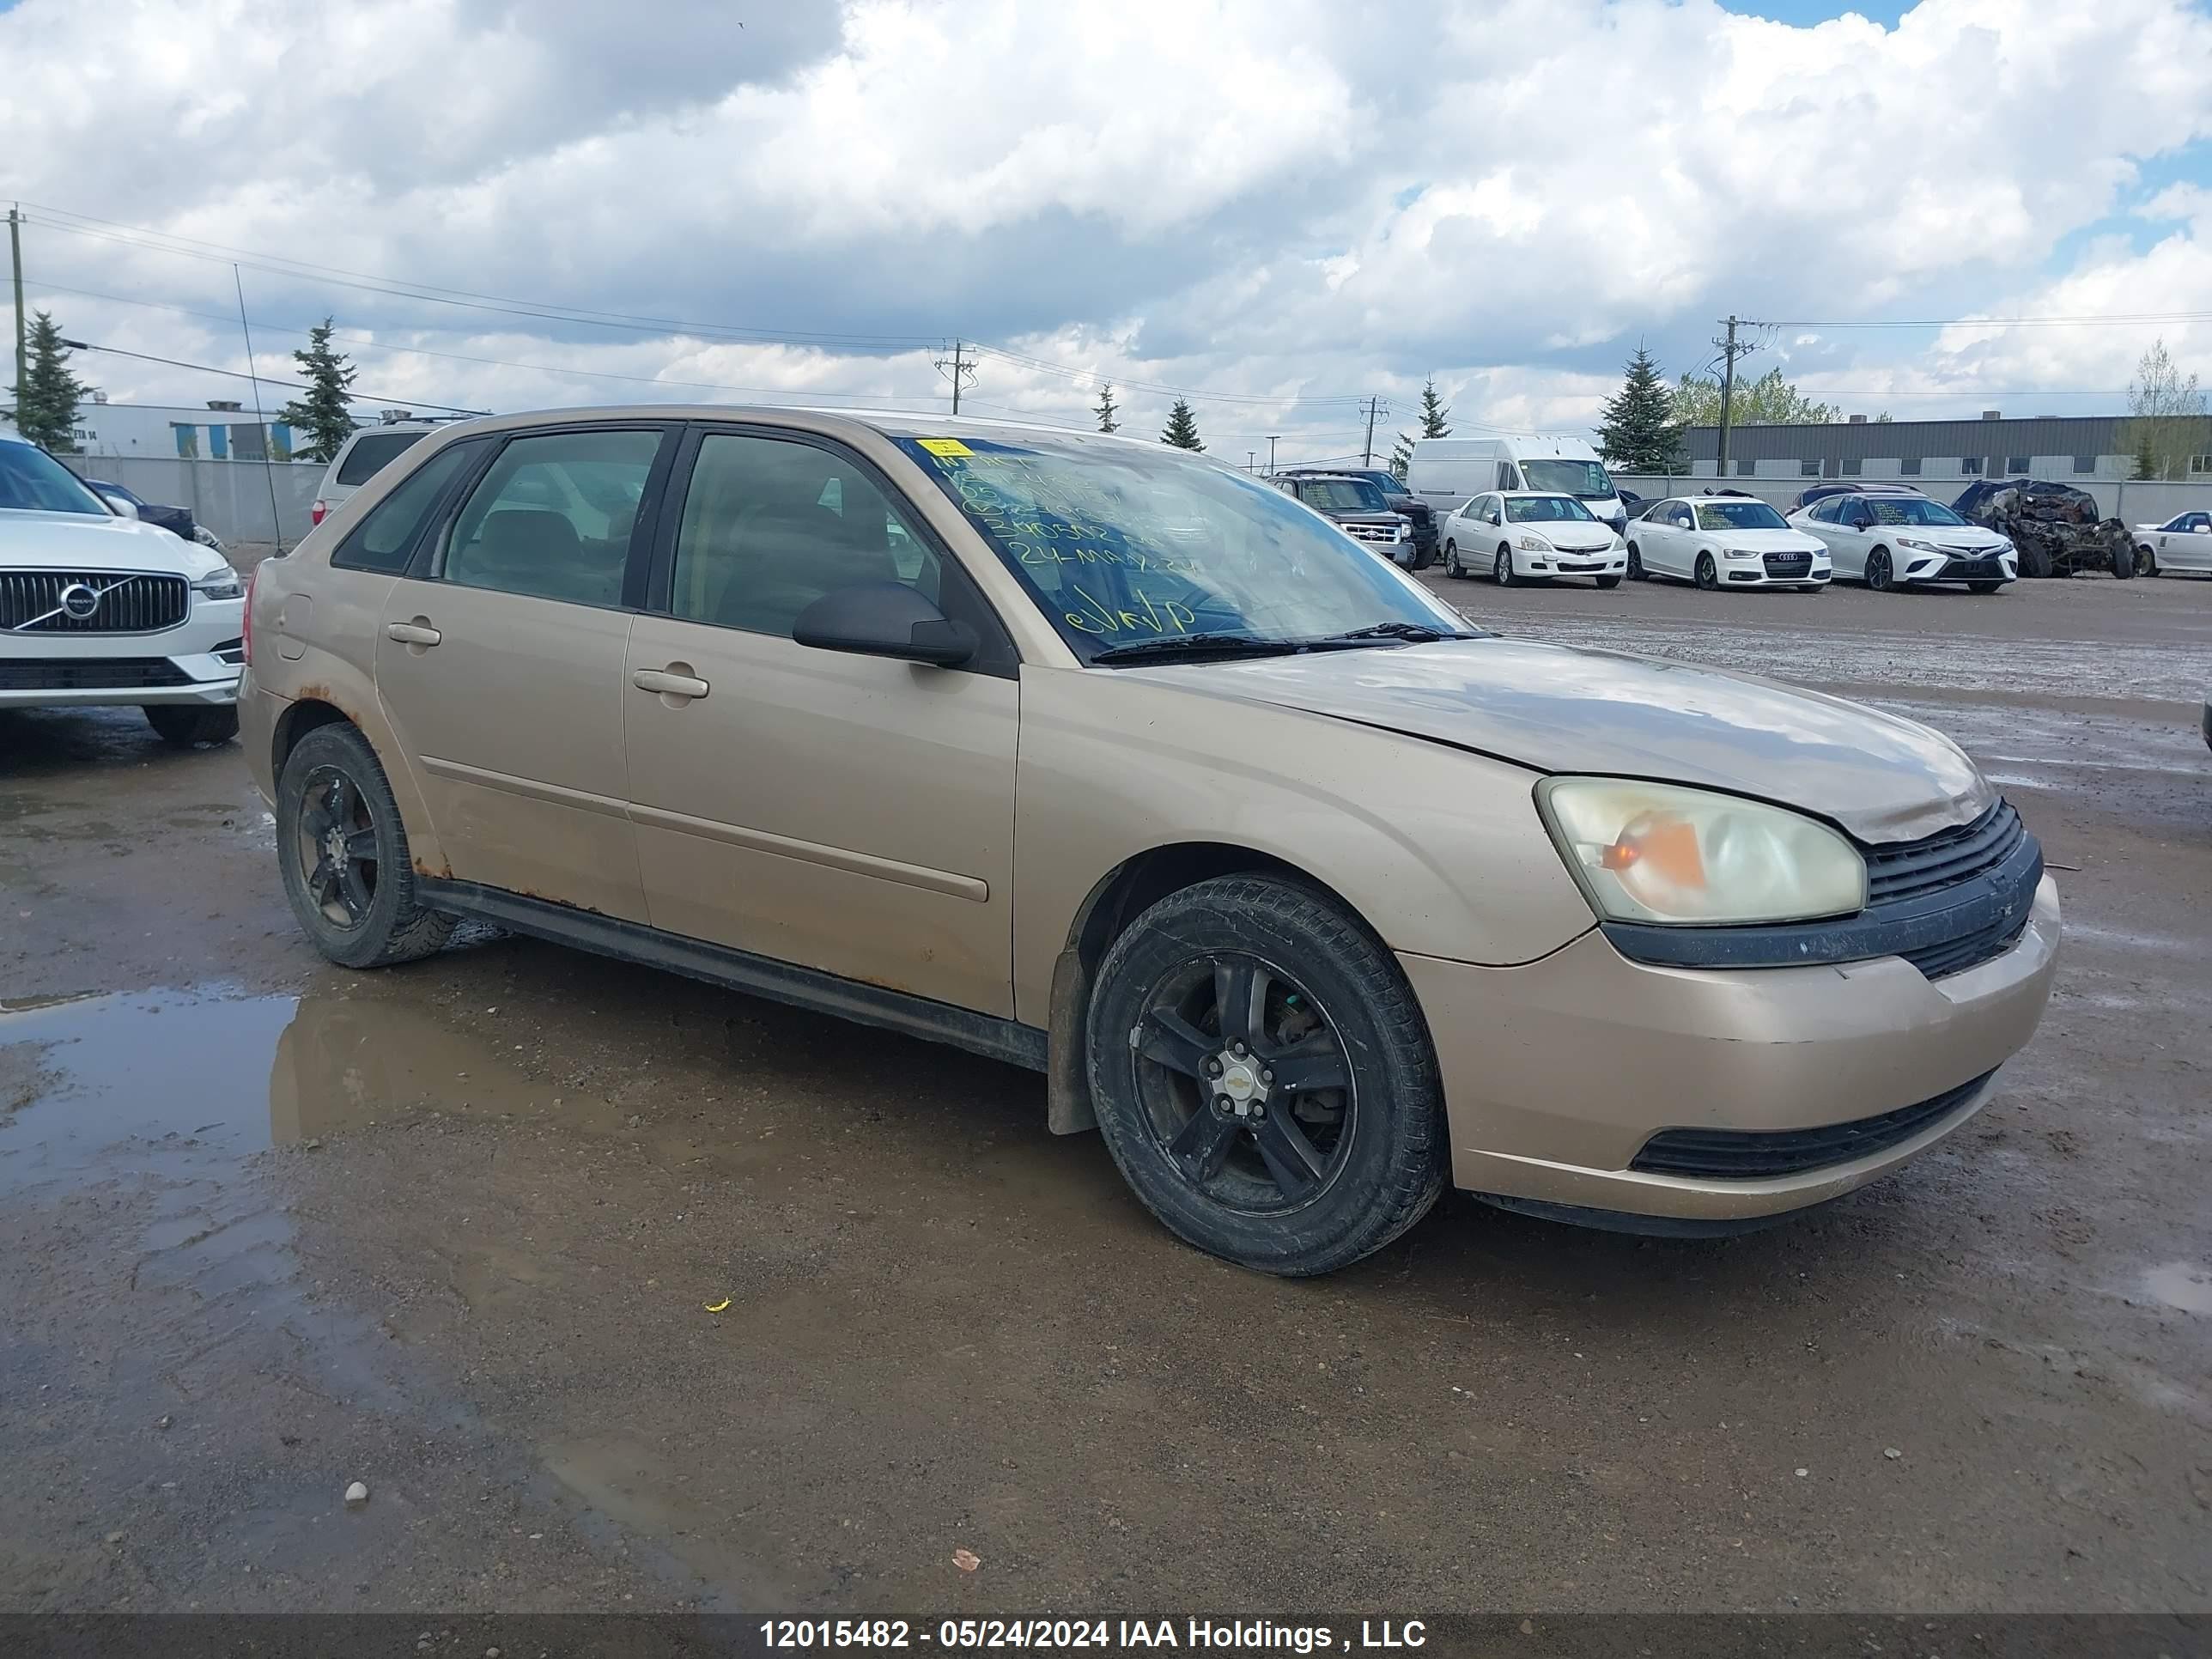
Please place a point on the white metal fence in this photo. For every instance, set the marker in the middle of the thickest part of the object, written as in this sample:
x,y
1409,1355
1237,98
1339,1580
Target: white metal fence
x,y
231,498
2137,503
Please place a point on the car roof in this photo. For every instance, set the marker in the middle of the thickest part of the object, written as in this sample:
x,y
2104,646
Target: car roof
x,y
889,424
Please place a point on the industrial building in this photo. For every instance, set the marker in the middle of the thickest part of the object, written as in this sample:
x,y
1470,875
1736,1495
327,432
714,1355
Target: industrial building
x,y
2067,449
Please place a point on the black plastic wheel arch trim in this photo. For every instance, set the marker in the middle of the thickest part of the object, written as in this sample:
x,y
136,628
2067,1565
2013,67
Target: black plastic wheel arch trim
x,y
1006,1040
1895,929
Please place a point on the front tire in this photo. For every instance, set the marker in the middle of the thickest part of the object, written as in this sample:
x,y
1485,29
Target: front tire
x,y
1636,572
1983,587
182,726
1269,996
1879,575
1453,567
2145,563
343,852
1608,581
1501,568
1709,575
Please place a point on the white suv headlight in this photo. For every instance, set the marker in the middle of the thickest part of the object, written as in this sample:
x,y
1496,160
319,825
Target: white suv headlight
x,y
221,585
1657,853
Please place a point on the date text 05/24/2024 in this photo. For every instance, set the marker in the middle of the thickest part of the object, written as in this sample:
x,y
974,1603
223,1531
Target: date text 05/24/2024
x,y
1245,1635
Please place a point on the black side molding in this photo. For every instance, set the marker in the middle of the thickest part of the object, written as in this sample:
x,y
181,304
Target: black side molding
x,y
741,970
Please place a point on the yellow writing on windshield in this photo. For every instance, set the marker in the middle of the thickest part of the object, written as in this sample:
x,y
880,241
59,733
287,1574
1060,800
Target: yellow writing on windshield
x,y
1158,616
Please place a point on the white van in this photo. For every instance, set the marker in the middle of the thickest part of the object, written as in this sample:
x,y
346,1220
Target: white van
x,y
1445,471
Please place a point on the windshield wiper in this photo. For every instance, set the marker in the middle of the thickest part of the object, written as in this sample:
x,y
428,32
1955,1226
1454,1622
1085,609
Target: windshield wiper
x,y
1413,633
1197,645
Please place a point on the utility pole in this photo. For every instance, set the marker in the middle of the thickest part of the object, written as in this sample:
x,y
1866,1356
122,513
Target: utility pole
x,y
1730,352
1367,453
1251,461
15,251
959,371
1272,436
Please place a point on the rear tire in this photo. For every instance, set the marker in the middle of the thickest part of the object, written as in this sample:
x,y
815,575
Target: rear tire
x,y
1314,1179
2034,560
183,725
343,852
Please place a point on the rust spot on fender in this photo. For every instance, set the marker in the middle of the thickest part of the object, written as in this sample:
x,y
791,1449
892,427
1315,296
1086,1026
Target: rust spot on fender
x,y
443,872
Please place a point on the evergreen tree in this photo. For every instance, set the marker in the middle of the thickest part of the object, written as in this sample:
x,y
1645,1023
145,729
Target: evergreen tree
x,y
1182,429
1432,413
1106,408
1402,455
1639,433
2148,466
322,413
46,401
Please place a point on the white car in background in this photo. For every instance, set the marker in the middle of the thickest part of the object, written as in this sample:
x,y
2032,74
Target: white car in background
x,y
2183,542
361,456
1889,537
98,608
1525,535
1724,538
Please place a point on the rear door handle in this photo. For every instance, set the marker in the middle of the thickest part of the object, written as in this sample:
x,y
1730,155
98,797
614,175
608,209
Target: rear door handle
x,y
412,633
668,682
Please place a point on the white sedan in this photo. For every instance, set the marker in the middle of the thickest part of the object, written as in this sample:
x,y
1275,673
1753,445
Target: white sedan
x,y
96,607
1725,541
1523,535
2183,542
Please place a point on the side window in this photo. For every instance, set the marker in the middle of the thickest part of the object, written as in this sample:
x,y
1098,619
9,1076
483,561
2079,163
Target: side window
x,y
553,516
1505,477
385,540
771,525
1824,510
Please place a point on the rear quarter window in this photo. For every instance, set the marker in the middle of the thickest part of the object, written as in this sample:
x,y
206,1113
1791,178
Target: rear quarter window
x,y
385,540
373,452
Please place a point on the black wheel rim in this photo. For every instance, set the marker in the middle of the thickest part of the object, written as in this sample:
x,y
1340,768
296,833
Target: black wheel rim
x,y
1232,1028
1707,576
1635,565
336,843
1878,571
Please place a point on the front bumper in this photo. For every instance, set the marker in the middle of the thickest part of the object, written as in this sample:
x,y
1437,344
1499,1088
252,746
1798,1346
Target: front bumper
x,y
1951,567
1556,561
1751,574
198,661
1559,1072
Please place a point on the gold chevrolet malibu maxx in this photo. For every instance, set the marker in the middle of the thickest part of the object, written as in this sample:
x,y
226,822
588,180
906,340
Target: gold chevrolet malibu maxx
x,y
1106,760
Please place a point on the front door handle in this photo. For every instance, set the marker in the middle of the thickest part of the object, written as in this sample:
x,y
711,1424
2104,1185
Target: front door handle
x,y
673,681
414,633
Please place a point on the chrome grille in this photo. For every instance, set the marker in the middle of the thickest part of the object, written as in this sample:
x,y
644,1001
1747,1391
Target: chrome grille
x,y
31,602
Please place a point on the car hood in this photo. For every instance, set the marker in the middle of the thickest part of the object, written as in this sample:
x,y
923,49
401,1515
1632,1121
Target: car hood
x,y
1559,709
86,541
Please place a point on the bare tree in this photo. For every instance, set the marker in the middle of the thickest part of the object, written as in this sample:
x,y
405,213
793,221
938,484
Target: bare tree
x,y
2167,425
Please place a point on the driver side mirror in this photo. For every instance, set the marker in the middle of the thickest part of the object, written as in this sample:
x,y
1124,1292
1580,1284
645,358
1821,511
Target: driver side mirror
x,y
119,507
884,619
1861,520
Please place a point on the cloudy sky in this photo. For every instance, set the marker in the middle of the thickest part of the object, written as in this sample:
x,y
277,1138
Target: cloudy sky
x,y
1283,207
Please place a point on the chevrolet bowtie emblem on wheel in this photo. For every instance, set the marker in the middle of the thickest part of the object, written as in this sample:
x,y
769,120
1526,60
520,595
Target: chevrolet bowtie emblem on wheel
x,y
78,601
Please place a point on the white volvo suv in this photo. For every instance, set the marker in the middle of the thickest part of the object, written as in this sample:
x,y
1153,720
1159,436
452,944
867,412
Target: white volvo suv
x,y
96,607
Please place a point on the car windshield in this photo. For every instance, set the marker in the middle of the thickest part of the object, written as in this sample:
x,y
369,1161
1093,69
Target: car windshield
x,y
1909,509
1122,544
1584,478
32,480
1341,495
1545,509
1738,515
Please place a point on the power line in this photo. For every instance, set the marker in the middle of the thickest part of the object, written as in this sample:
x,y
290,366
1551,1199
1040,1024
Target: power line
x,y
1093,375
264,379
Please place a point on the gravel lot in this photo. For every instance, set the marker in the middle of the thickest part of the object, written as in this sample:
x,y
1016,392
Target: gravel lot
x,y
268,1228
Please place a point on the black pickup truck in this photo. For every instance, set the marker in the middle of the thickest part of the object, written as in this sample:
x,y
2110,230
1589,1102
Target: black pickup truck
x,y
1417,513
1356,508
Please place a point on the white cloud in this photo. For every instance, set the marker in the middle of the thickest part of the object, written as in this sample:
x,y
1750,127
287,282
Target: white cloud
x,y
1268,199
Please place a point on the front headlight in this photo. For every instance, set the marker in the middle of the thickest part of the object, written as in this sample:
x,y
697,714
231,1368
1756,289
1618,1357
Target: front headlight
x,y
1533,545
1657,852
1917,546
221,585
1739,553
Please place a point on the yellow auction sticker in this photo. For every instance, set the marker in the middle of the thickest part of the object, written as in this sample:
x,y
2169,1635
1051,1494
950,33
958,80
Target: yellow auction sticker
x,y
947,448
